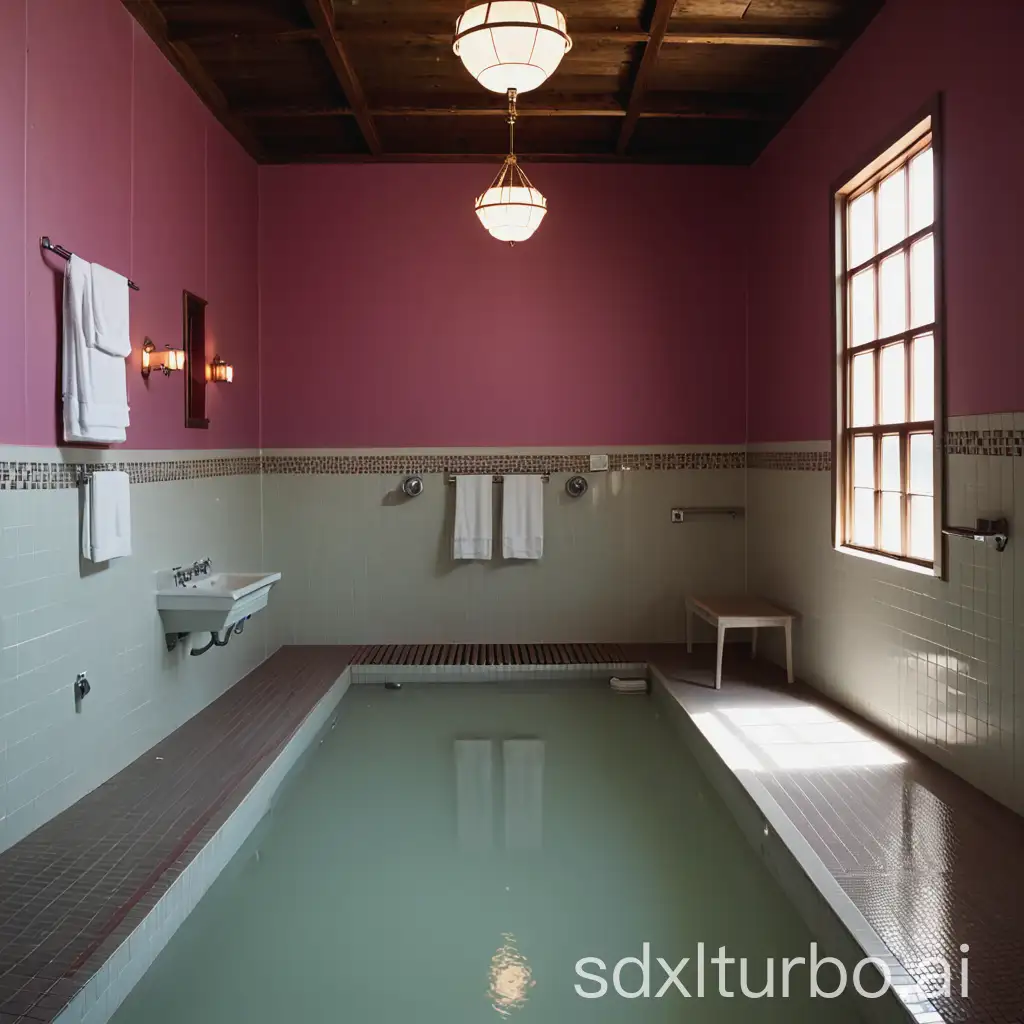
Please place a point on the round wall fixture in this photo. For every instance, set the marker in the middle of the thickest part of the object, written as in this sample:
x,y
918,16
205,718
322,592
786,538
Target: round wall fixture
x,y
576,486
412,486
511,44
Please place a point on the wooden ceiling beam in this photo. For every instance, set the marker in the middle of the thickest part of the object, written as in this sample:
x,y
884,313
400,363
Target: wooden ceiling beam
x,y
417,111
750,39
701,34
496,158
711,112
645,72
321,13
681,31
185,62
226,37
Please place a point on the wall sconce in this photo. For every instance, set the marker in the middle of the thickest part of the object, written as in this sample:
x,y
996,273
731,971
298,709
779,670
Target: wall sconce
x,y
168,360
219,372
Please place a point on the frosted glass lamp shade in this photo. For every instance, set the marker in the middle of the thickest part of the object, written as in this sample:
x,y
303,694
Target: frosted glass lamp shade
x,y
511,44
511,213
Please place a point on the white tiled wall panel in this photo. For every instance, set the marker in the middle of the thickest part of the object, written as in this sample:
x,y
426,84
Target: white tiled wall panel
x,y
940,663
363,564
60,616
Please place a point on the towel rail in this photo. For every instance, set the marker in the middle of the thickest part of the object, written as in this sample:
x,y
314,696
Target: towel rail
x,y
682,515
499,477
66,254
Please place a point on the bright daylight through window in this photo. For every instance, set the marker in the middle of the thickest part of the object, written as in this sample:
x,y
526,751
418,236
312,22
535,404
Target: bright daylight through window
x,y
888,319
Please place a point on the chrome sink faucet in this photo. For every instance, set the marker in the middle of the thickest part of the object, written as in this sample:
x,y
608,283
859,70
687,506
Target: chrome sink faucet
x,y
184,575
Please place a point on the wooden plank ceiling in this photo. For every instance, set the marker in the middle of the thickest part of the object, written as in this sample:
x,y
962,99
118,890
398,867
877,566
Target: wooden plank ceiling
x,y
673,81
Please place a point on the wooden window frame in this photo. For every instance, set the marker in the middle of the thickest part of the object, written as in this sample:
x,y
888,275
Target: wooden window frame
x,y
925,127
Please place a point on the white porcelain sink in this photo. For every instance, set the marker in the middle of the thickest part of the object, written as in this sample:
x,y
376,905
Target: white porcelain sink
x,y
211,603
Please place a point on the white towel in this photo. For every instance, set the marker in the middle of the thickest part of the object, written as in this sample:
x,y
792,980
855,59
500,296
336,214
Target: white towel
x,y
107,517
474,793
522,516
95,384
473,517
110,331
524,793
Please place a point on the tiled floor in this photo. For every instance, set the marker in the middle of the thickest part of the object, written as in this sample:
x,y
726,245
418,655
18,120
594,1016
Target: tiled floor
x,y
929,861
72,890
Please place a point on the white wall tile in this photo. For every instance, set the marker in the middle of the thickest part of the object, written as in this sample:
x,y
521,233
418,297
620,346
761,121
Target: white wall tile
x,y
362,565
59,616
940,663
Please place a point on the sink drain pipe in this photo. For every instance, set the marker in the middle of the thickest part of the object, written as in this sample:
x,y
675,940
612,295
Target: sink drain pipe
x,y
214,642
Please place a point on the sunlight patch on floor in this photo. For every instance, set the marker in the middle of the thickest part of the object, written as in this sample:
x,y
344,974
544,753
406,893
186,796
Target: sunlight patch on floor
x,y
790,736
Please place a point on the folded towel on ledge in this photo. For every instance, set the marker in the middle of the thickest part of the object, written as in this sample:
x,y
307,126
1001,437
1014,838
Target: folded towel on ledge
x,y
473,517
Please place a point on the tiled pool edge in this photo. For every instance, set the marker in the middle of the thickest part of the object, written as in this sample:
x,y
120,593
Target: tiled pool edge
x,y
101,996
826,908
828,911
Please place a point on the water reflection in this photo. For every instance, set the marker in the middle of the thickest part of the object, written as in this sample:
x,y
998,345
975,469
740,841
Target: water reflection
x,y
511,978
521,771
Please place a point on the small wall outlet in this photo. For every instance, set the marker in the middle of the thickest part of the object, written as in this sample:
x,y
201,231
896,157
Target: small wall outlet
x,y
598,463
677,515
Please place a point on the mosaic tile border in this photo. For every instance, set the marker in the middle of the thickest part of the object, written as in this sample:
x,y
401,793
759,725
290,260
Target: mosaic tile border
x,y
985,442
49,475
54,476
814,461
337,465
998,443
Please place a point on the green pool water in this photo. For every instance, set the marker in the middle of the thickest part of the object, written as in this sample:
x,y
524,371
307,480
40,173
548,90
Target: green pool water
x,y
450,852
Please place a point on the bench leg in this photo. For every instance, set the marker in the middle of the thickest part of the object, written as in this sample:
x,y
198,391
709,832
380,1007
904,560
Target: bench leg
x,y
718,660
689,630
789,652
753,642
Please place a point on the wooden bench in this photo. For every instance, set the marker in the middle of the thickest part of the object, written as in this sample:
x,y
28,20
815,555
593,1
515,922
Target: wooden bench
x,y
731,612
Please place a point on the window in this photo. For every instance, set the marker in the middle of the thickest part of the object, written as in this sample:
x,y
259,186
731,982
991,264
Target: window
x,y
888,465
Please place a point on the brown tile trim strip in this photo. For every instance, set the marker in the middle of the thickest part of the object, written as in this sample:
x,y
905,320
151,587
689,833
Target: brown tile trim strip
x,y
985,442
52,476
957,442
321,465
490,654
30,476
791,460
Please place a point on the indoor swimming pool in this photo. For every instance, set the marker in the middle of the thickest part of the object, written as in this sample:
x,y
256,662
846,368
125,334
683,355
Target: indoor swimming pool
x,y
451,852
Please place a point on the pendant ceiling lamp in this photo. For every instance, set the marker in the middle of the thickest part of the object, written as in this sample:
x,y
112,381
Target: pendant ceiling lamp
x,y
511,44
511,209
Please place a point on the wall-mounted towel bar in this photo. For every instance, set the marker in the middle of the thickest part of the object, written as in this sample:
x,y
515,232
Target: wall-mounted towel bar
x,y
995,530
66,254
498,478
683,515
